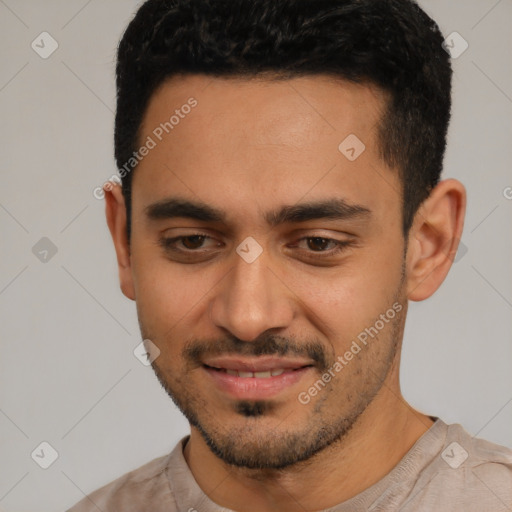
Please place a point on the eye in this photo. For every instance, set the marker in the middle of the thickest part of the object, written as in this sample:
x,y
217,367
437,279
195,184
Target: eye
x,y
193,241
319,244
188,243
320,250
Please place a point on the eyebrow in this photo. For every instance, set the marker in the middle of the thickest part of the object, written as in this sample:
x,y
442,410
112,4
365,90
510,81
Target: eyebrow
x,y
334,209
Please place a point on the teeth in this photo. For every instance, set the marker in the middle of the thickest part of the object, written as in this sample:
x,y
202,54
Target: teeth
x,y
260,375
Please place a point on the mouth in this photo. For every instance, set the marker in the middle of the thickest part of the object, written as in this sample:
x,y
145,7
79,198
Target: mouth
x,y
258,378
262,374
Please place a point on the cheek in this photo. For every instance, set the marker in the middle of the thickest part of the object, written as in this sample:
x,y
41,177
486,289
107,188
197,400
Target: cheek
x,y
171,298
162,295
341,303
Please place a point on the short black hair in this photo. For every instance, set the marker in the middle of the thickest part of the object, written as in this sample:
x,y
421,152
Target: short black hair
x,y
392,44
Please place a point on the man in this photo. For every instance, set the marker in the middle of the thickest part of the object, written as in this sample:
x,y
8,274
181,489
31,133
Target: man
x,y
280,204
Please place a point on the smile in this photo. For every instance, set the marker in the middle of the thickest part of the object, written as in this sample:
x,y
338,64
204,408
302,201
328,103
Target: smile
x,y
259,375
257,379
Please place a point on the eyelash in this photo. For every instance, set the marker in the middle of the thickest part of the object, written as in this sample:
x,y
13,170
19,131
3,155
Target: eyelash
x,y
168,244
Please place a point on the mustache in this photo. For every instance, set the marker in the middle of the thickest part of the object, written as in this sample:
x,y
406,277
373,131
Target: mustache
x,y
195,350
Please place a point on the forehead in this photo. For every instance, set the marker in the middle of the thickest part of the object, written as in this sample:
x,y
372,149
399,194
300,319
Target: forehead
x,y
248,141
317,102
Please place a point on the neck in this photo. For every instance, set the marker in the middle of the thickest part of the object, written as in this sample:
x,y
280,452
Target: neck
x,y
381,436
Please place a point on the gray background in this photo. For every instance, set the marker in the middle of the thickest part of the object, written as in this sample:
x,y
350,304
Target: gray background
x,y
68,375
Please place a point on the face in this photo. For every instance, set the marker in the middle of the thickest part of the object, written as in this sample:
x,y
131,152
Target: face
x,y
267,266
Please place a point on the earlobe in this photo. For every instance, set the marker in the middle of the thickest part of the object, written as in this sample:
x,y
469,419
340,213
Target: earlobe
x,y
115,211
434,238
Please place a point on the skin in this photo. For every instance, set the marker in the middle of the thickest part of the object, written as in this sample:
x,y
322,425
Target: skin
x,y
247,148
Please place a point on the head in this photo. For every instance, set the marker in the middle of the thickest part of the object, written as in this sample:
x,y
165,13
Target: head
x,y
281,201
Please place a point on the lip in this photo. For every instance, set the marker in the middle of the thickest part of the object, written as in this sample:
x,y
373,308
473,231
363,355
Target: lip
x,y
256,364
256,388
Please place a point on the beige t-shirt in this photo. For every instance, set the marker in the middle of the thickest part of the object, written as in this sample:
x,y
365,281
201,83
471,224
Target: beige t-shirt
x,y
445,470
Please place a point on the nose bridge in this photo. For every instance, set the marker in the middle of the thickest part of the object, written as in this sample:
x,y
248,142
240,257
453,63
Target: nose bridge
x,y
251,300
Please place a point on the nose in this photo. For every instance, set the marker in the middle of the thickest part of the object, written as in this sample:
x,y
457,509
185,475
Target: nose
x,y
251,300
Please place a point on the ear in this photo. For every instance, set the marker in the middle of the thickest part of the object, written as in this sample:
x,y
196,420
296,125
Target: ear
x,y
115,210
434,238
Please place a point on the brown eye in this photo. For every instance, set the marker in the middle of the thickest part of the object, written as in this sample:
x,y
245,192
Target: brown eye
x,y
193,241
190,245
318,244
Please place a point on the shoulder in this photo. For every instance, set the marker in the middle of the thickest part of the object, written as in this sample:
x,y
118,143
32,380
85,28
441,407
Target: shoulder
x,y
135,490
474,452
468,473
486,464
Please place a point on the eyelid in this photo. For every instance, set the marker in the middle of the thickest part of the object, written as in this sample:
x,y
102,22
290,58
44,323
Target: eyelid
x,y
339,246
166,241
329,239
